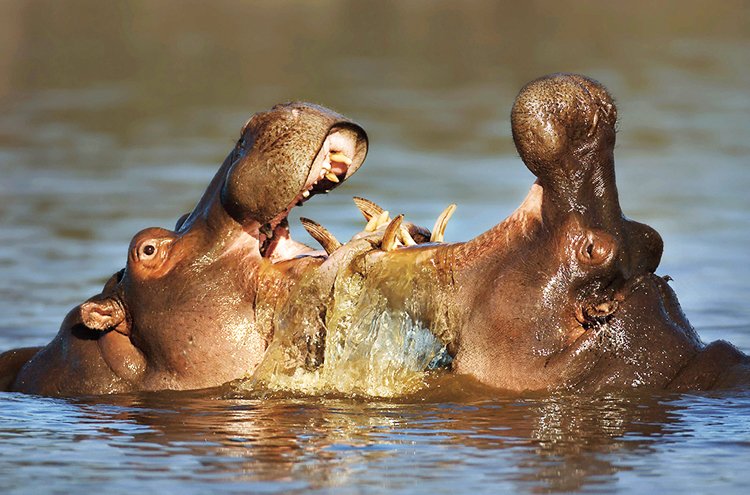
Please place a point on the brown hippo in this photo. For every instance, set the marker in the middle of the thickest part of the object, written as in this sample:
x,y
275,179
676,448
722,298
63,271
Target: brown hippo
x,y
192,308
561,295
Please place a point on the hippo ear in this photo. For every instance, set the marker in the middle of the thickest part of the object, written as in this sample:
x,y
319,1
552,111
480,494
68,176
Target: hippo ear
x,y
102,314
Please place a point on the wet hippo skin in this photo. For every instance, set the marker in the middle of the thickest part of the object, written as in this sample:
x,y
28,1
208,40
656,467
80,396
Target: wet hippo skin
x,y
193,306
563,294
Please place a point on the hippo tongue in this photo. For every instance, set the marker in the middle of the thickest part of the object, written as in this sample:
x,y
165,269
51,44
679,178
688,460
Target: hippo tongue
x,y
280,245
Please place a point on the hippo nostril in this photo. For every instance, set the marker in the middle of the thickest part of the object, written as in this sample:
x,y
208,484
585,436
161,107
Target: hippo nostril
x,y
596,314
596,248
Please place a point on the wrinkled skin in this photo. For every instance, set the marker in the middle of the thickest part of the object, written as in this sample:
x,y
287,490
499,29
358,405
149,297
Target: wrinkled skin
x,y
562,294
193,306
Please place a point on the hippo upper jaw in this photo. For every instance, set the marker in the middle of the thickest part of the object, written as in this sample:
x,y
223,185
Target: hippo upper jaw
x,y
339,157
283,157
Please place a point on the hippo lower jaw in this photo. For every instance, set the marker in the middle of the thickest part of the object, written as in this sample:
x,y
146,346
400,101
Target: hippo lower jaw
x,y
315,148
604,310
645,340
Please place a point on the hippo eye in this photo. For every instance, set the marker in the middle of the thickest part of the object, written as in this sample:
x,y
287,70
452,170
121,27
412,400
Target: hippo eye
x,y
148,251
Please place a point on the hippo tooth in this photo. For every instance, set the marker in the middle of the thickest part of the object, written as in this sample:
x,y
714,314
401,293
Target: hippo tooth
x,y
326,166
340,157
389,236
367,207
305,194
383,219
332,177
405,237
321,234
371,224
376,222
438,232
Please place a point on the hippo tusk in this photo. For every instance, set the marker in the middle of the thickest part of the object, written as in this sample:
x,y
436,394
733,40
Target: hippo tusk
x,y
321,234
390,234
332,177
370,209
405,237
367,207
438,232
377,221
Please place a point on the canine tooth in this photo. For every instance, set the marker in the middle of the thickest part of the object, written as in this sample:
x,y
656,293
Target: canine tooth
x,y
377,221
332,177
367,207
321,234
405,237
383,219
340,157
389,236
371,224
306,194
438,232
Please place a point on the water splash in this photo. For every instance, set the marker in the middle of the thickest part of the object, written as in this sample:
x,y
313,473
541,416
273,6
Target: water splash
x,y
356,335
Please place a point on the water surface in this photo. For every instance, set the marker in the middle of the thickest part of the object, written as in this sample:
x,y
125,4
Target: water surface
x,y
114,116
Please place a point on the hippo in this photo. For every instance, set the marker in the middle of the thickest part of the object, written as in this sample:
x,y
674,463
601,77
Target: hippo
x,y
193,306
561,295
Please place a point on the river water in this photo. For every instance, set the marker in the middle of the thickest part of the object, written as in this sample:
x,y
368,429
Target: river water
x,y
114,116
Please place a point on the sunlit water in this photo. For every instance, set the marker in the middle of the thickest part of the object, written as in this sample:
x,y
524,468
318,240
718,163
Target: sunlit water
x,y
113,118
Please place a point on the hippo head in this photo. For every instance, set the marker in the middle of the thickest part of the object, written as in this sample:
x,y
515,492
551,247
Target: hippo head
x,y
182,314
563,294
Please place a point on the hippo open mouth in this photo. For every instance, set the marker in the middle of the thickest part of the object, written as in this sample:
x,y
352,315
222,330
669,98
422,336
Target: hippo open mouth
x,y
562,294
193,307
333,164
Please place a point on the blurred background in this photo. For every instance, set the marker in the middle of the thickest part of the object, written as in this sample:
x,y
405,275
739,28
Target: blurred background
x,y
115,115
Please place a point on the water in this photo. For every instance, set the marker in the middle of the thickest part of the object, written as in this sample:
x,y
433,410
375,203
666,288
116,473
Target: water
x,y
114,116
